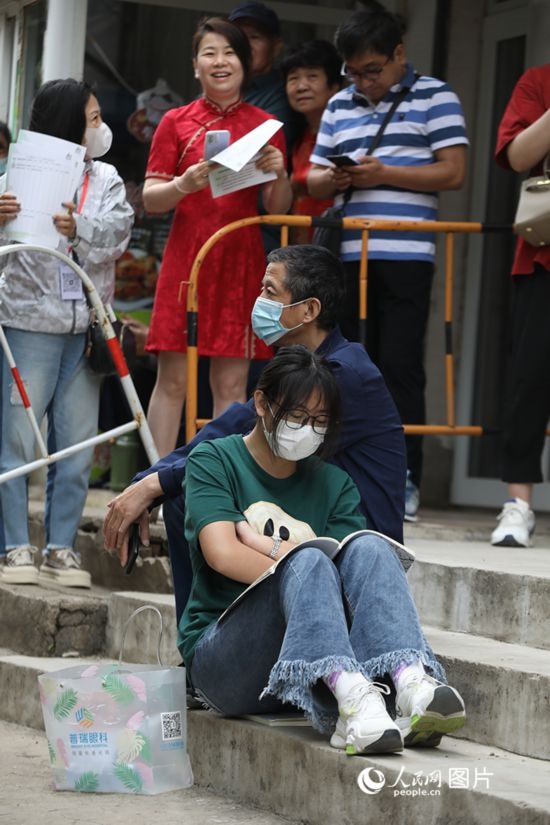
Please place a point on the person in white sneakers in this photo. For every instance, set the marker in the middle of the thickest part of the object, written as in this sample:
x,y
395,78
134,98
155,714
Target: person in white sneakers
x,y
523,143
516,520
318,633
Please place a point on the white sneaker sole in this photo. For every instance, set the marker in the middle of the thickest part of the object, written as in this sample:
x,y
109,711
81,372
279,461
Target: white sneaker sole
x,y
67,578
25,574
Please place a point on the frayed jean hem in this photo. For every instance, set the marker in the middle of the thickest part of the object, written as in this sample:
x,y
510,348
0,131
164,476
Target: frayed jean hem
x,y
292,682
388,662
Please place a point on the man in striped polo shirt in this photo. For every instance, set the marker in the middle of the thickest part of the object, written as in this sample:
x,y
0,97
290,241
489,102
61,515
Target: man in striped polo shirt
x,y
422,152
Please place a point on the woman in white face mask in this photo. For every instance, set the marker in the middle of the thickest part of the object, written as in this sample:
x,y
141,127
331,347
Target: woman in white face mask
x,y
320,629
45,316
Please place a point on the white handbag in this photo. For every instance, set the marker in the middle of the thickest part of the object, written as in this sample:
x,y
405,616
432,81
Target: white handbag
x,y
532,221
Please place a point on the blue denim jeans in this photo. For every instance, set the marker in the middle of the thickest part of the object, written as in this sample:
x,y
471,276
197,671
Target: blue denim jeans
x,y
59,383
312,617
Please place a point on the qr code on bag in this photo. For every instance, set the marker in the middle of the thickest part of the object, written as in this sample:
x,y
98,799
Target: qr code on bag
x,y
171,725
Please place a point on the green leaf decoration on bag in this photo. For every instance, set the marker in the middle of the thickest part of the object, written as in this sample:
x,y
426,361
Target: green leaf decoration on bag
x,y
51,751
129,778
65,704
118,689
129,745
88,782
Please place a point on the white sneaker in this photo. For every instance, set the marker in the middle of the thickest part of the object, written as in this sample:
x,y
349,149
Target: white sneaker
x,y
427,709
364,725
19,566
62,566
516,525
412,499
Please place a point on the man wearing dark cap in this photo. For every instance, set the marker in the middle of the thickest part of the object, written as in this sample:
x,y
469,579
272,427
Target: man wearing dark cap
x,y
266,88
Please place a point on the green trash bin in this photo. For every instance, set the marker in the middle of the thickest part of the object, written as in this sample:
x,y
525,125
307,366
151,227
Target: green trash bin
x,y
125,455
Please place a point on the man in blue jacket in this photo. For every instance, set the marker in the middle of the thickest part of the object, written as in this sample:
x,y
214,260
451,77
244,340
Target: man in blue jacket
x,y
302,294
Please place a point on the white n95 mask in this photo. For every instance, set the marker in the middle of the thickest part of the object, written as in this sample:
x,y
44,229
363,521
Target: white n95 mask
x,y
98,140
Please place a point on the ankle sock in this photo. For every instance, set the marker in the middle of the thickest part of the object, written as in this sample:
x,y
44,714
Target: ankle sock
x,y
341,682
404,672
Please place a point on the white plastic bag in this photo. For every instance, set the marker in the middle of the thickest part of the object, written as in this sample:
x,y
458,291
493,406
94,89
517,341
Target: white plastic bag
x,y
118,728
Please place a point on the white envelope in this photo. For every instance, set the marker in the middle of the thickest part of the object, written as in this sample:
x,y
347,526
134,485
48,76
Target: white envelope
x,y
243,150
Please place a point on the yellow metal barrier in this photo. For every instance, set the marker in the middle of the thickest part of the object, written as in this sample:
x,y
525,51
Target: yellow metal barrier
x,y
450,228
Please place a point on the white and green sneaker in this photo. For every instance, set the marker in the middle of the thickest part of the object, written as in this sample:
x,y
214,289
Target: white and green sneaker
x,y
364,725
426,710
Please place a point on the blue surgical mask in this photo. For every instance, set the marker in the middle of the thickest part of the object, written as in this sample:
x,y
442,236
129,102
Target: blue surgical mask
x,y
3,165
266,319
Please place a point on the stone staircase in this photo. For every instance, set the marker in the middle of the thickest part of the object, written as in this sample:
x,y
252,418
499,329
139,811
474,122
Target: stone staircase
x,y
485,612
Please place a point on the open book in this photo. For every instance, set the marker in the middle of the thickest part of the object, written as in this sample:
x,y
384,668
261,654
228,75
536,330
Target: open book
x,y
331,547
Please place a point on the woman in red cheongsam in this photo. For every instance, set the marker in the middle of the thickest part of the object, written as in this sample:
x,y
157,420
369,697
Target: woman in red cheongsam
x,y
229,280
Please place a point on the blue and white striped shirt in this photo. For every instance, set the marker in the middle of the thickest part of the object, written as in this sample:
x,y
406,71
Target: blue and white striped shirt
x,y
428,119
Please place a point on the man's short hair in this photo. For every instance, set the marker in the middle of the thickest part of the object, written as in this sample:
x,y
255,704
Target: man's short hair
x,y
313,272
314,54
374,30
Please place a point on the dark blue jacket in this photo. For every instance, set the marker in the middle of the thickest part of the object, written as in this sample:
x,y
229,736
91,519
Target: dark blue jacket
x,y
371,448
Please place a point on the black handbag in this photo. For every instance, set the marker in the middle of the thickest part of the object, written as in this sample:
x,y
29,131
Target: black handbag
x,y
329,230
97,351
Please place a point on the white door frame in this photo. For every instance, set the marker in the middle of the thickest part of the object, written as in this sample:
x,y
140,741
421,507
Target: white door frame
x,y
467,489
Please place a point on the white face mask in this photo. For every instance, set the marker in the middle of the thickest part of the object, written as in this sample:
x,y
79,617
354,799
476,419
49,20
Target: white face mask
x,y
286,442
98,140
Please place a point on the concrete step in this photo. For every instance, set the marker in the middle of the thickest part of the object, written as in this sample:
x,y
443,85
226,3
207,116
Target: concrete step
x,y
61,621
40,621
152,571
469,586
295,773
503,685
505,688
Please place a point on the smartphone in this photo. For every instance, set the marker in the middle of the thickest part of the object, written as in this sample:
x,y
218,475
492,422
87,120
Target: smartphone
x,y
215,141
133,548
342,160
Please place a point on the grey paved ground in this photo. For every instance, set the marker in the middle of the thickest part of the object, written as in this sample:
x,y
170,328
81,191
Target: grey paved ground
x,y
27,796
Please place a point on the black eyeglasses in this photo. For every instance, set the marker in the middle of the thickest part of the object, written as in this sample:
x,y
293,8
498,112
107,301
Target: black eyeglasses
x,y
298,418
370,73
